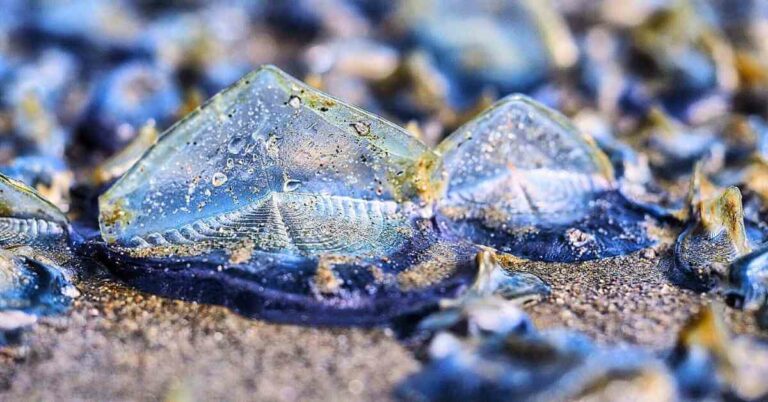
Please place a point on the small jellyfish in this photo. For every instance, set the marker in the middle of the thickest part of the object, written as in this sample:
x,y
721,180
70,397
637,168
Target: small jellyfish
x,y
496,278
35,258
673,148
36,96
710,364
715,237
31,286
32,227
26,218
477,317
508,46
523,180
99,34
702,61
532,366
491,304
327,173
748,284
36,127
699,355
48,175
127,98
333,230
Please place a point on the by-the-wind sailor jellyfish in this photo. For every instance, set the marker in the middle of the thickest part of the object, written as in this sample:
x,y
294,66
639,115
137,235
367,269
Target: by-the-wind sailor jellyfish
x,y
282,202
715,237
26,218
35,257
31,286
748,284
522,179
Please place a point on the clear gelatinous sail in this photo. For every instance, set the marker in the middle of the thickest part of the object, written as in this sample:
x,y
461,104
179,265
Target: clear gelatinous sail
x,y
520,163
522,179
272,162
25,217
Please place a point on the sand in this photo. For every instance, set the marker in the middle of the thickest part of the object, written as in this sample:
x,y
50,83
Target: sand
x,y
120,344
624,300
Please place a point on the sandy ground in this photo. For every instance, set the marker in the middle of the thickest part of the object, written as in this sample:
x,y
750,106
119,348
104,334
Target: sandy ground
x,y
624,300
119,344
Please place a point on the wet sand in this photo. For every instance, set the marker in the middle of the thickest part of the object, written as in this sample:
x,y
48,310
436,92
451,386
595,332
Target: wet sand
x,y
624,300
119,344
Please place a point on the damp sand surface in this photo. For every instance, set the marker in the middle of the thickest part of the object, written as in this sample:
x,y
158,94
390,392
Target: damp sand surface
x,y
625,300
120,344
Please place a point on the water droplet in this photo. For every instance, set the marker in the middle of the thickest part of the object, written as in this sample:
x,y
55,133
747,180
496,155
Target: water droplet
x,y
235,145
291,185
218,179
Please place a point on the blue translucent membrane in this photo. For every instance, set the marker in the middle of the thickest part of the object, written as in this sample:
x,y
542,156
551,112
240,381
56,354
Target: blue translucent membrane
x,y
293,191
33,240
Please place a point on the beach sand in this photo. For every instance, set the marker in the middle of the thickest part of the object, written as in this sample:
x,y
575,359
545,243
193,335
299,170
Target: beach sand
x,y
120,344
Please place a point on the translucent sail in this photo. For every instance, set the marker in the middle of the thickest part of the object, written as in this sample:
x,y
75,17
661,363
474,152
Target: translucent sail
x,y
273,162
